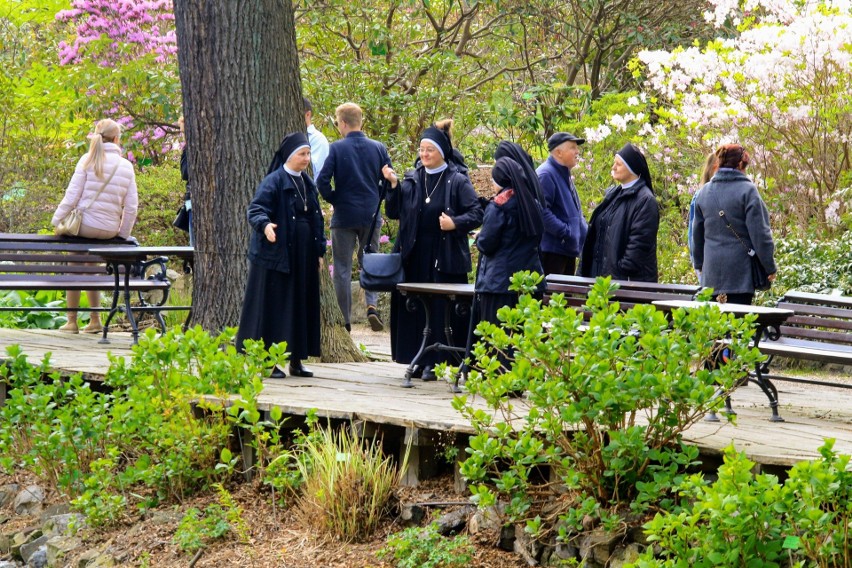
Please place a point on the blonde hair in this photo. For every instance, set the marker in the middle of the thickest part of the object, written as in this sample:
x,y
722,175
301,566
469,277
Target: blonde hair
x,y
446,125
711,164
351,114
106,130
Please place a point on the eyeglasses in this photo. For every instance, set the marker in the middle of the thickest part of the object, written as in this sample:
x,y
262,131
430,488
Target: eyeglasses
x,y
427,150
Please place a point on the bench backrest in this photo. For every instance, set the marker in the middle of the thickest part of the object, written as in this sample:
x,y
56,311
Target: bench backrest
x,y
818,317
22,256
628,294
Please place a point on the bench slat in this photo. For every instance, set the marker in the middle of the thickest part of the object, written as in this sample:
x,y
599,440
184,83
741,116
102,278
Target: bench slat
x,y
810,298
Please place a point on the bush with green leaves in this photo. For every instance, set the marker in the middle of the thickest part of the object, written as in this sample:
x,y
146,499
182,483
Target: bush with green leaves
x,y
425,547
151,429
748,519
605,404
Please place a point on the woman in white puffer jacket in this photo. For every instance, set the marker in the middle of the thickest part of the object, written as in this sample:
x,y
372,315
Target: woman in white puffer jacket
x,y
107,214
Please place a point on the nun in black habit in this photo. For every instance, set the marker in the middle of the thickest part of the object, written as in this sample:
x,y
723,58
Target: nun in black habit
x,y
286,245
436,206
622,237
509,238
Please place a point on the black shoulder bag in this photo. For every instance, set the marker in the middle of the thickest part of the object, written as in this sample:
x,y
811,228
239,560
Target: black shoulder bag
x,y
380,272
759,276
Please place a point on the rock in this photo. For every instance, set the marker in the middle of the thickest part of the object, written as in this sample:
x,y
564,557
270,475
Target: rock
x,y
103,561
28,501
38,558
58,548
5,543
526,547
9,564
411,513
21,538
54,510
637,534
454,521
58,525
486,520
624,555
598,545
165,517
563,552
87,558
507,538
28,549
7,493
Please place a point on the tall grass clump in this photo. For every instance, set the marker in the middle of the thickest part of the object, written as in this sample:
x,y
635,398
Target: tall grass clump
x,y
348,485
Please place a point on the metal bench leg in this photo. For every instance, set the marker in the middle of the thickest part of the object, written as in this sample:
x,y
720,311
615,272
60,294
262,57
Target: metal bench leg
x,y
427,333
113,308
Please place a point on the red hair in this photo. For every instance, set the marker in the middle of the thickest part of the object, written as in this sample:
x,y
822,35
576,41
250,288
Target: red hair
x,y
733,156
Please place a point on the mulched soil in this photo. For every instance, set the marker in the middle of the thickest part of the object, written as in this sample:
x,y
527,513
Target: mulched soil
x,y
277,538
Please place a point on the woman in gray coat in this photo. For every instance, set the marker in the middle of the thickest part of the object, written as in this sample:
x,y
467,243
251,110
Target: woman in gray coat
x,y
720,252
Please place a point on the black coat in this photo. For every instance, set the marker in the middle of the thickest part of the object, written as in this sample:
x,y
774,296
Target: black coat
x,y
622,238
274,202
460,203
504,248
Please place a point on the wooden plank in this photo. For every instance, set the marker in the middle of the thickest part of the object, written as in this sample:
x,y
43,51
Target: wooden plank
x,y
371,393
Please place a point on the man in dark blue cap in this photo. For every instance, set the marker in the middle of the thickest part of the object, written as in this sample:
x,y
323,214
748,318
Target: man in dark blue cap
x,y
564,224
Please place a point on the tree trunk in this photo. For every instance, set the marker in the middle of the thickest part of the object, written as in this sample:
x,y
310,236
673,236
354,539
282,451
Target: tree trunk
x,y
239,72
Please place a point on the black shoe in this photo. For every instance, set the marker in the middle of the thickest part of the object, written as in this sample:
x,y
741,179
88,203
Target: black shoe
x,y
348,328
299,370
429,374
277,373
376,323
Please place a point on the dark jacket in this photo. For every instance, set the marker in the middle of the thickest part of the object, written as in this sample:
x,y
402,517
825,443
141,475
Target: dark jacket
x,y
622,238
565,227
275,201
355,163
504,248
723,261
461,204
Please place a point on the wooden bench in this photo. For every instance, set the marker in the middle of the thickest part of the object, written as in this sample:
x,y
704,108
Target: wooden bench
x,y
820,330
628,294
47,262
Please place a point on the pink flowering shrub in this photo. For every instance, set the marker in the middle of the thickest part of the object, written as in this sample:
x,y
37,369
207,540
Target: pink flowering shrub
x,y
124,54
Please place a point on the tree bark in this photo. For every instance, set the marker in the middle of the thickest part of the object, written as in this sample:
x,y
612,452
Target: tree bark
x,y
239,72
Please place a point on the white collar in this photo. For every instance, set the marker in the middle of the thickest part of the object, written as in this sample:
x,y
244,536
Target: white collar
x,y
291,172
629,183
437,170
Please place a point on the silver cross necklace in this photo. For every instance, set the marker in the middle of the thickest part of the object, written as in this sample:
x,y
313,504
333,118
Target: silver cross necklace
x,y
426,188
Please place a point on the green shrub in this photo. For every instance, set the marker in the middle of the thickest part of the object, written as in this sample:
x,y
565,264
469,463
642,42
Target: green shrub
x,y
161,192
743,519
604,408
150,431
417,547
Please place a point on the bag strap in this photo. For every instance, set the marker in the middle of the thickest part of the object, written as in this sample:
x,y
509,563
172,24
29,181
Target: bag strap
x,y
106,183
385,186
749,250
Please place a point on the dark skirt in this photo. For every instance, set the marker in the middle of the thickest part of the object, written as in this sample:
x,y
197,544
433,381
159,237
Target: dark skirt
x,y
407,326
285,307
490,303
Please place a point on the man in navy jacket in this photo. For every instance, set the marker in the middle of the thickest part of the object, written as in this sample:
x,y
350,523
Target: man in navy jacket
x,y
355,163
565,227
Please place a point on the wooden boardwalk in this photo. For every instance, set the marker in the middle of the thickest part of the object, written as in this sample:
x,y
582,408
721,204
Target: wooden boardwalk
x,y
371,393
